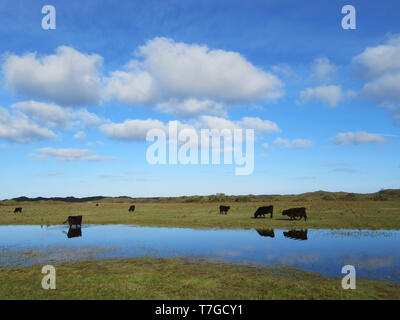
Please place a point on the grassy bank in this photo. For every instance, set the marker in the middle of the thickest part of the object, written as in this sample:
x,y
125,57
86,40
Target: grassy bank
x,y
348,214
150,278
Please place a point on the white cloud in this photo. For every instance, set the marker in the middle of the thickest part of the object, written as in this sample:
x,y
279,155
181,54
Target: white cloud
x,y
194,70
166,70
67,155
47,114
380,59
322,69
295,143
380,66
284,69
302,143
80,135
136,130
52,115
259,125
132,129
192,107
85,118
211,122
132,86
330,94
282,142
67,77
18,127
357,138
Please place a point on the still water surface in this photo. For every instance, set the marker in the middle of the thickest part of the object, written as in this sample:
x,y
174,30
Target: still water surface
x,y
375,254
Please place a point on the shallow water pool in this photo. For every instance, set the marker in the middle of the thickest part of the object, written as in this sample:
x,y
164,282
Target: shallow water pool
x,y
375,254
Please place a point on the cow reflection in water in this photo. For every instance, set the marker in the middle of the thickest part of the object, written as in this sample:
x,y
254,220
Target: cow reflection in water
x,y
296,234
74,231
266,232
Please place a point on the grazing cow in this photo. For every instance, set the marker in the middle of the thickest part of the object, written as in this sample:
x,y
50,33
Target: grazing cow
x,y
17,210
74,221
295,212
74,232
223,209
266,232
97,204
296,234
261,211
131,208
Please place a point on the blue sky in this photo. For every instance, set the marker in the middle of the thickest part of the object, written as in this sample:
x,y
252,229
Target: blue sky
x,y
75,102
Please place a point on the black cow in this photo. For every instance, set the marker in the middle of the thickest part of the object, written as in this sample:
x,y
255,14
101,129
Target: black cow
x,y
266,232
261,211
97,204
293,213
296,234
131,208
223,209
74,221
17,210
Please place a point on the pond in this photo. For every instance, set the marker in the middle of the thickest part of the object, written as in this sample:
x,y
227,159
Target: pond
x,y
375,254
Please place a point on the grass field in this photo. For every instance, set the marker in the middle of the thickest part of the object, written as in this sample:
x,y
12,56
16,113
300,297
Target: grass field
x,y
150,278
358,214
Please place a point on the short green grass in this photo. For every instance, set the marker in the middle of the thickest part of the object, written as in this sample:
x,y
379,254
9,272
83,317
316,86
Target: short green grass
x,y
329,214
151,278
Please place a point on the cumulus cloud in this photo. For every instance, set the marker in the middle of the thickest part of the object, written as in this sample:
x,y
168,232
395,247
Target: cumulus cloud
x,y
380,67
166,72
183,79
285,143
284,69
132,86
322,69
357,138
380,59
47,114
330,95
211,122
192,107
259,125
17,127
295,143
68,77
135,130
85,118
196,70
52,115
67,155
302,143
80,135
